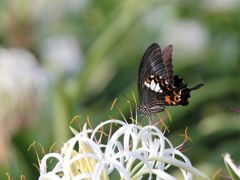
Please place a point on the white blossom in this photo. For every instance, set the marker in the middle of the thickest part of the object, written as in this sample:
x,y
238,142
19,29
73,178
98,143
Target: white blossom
x,y
21,80
132,151
62,55
23,86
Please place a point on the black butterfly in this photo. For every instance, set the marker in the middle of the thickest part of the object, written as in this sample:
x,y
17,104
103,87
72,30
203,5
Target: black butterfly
x,y
157,85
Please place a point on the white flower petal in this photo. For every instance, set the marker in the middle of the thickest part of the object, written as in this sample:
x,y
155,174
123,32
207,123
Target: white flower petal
x,y
133,151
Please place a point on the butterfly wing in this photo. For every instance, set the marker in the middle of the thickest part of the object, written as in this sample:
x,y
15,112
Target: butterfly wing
x,y
178,93
167,61
151,64
157,86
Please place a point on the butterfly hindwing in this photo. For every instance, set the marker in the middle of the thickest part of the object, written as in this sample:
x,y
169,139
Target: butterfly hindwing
x,y
167,62
177,93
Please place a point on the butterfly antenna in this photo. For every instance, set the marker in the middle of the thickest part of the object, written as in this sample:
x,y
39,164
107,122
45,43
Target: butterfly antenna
x,y
197,86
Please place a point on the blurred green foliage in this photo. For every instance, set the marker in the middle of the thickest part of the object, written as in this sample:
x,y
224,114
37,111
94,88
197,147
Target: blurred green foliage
x,y
112,36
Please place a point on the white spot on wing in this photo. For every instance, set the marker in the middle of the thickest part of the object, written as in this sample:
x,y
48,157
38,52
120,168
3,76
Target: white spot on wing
x,y
147,84
160,90
157,87
152,86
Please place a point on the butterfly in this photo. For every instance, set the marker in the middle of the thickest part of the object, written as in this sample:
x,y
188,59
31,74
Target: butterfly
x,y
157,85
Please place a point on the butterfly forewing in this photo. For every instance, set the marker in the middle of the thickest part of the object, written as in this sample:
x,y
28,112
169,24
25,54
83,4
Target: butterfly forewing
x,y
151,64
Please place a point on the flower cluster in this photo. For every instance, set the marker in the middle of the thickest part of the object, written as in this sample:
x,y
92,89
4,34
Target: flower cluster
x,y
23,86
132,151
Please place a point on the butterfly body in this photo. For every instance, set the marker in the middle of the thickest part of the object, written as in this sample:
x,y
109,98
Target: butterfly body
x,y
157,85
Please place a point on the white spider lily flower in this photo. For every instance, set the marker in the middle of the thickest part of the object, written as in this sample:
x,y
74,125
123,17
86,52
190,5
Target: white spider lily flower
x,y
62,55
132,151
23,88
229,163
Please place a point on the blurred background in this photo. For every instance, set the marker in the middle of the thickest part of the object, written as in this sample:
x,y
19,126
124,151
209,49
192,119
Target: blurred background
x,y
63,58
